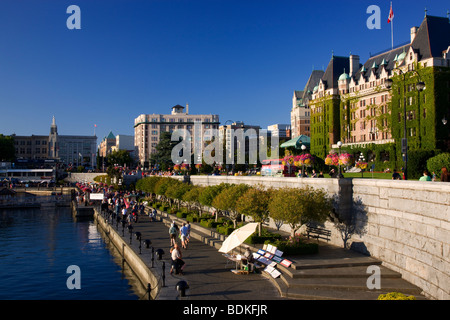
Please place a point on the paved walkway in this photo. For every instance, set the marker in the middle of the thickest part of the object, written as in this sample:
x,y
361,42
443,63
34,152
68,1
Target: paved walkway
x,y
206,272
334,273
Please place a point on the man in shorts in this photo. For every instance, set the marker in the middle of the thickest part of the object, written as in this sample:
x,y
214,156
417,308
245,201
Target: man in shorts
x,y
173,234
184,233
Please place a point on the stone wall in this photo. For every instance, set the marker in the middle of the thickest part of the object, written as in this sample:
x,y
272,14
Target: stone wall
x,y
408,228
82,177
406,224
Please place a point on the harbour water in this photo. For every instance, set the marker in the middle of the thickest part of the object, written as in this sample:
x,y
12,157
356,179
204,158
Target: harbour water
x,y
38,245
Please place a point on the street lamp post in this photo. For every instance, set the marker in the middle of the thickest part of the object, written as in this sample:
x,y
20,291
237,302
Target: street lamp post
x,y
420,86
339,144
362,159
303,163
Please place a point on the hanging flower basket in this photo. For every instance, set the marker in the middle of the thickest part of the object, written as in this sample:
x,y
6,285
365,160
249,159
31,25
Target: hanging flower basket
x,y
362,165
332,160
288,160
176,167
345,159
306,160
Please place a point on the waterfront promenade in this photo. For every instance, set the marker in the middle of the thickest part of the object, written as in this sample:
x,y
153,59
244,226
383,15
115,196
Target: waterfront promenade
x,y
333,274
205,272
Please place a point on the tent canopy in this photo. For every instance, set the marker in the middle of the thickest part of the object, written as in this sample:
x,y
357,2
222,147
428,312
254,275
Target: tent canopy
x,y
297,142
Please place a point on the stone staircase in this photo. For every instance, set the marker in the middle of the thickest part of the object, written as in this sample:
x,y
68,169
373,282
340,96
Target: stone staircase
x,y
343,279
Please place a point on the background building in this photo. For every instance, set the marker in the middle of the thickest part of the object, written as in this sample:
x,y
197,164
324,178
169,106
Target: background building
x,y
31,147
148,128
66,150
282,131
107,144
77,150
301,111
233,144
325,108
125,142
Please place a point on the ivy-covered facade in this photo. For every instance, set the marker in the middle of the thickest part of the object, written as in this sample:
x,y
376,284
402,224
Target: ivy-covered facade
x,y
363,105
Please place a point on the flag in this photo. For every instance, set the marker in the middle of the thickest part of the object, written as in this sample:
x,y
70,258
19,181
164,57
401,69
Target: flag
x,y
391,15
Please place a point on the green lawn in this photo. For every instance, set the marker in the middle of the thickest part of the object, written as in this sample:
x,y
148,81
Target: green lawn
x,y
369,175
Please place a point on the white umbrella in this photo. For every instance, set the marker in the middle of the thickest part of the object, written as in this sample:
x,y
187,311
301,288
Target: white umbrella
x,y
237,237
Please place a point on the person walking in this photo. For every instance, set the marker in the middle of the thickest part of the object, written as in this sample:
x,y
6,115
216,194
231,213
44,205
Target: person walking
x,y
173,234
188,225
184,235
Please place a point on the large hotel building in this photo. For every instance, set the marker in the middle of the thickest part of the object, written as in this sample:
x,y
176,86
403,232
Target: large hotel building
x,y
373,104
148,129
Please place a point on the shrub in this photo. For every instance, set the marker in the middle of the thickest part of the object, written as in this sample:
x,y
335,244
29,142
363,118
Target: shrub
x,y
225,230
206,223
265,236
395,296
438,162
182,214
192,217
295,246
163,207
417,162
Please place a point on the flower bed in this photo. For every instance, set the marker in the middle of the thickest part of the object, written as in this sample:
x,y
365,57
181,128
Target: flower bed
x,y
395,296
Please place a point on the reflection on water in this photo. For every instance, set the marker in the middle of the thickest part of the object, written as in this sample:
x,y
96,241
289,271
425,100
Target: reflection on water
x,y
36,248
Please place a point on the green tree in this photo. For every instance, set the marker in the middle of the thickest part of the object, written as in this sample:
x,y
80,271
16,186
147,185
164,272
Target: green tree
x,y
296,207
162,185
255,203
176,191
7,150
438,162
227,199
120,158
192,197
209,193
163,155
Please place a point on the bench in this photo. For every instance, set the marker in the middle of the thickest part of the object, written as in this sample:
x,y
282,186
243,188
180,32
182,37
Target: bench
x,y
318,233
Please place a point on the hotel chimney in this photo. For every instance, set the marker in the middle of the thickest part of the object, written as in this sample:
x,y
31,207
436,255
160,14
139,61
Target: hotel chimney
x,y
354,65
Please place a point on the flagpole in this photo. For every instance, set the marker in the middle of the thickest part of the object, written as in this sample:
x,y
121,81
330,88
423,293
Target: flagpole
x,y
392,34
392,30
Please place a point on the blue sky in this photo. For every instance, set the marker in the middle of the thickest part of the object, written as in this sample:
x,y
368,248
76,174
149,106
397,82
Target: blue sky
x,y
239,59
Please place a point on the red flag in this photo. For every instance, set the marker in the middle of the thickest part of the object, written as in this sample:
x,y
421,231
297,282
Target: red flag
x,y
391,15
